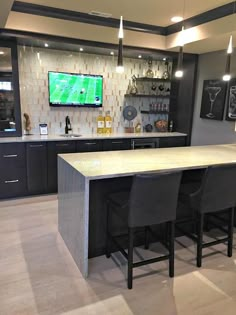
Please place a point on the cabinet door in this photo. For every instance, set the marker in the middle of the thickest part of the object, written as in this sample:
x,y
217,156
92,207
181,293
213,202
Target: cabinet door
x,y
116,144
12,170
55,148
36,157
167,142
89,146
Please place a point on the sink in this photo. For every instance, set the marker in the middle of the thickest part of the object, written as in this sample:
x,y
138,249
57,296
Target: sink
x,y
73,135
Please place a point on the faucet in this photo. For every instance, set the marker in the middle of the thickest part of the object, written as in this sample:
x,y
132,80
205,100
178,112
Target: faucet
x,y
68,125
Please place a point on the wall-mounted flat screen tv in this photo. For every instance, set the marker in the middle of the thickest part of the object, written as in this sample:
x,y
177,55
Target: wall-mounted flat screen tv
x,y
70,89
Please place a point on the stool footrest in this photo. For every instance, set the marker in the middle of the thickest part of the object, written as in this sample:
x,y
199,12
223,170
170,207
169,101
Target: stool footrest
x,y
150,261
216,242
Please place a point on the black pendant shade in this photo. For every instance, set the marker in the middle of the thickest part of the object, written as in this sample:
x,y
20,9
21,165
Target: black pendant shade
x,y
120,53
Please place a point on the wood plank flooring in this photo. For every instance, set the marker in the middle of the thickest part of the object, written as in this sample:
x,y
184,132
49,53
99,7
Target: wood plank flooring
x,y
38,275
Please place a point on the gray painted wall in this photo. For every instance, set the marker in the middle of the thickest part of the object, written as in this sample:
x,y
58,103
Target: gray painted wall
x,y
205,131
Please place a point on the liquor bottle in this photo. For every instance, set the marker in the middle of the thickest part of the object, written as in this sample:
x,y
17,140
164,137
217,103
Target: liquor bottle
x,y
100,122
108,123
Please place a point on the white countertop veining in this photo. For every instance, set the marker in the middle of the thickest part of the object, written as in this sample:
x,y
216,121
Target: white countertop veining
x,y
123,163
91,136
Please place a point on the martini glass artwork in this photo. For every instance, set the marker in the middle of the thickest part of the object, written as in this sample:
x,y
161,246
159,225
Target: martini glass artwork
x,y
213,91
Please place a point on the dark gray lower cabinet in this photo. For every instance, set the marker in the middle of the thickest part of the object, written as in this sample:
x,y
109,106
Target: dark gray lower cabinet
x,y
12,170
31,168
166,142
116,144
36,160
89,146
55,148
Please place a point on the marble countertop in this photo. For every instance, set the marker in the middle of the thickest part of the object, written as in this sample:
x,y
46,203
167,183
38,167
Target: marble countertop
x,y
91,137
123,163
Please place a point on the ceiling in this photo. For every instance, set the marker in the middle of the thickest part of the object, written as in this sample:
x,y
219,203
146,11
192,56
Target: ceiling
x,y
202,38
155,12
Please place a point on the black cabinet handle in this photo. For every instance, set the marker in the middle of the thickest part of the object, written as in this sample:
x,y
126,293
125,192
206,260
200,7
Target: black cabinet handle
x,y
10,155
117,142
11,181
62,144
36,145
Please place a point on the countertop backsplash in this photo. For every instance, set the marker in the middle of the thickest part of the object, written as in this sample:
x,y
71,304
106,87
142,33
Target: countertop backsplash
x,y
34,64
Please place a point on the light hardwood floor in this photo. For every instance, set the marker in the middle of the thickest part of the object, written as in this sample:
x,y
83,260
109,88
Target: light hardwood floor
x,y
38,275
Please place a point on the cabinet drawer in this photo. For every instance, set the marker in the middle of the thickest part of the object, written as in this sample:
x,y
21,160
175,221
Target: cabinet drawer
x,y
167,142
13,185
116,144
89,146
12,155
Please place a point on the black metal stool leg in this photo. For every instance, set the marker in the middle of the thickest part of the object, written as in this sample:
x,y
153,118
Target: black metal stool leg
x,y
171,248
108,236
146,245
200,239
230,232
130,258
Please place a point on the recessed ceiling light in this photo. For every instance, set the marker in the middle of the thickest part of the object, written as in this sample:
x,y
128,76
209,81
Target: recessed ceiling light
x,y
140,56
1,52
46,45
112,53
81,49
176,19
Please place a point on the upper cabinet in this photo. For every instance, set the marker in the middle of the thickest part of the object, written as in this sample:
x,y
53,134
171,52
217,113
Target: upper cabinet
x,y
10,117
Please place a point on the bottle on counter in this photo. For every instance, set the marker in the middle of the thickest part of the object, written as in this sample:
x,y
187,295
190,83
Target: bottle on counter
x,y
100,123
108,123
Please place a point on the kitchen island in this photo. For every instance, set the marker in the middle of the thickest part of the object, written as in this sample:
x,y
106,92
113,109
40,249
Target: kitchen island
x,y
84,179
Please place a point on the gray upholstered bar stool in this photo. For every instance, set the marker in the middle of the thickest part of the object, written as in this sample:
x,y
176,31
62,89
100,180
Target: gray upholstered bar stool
x,y
152,200
215,196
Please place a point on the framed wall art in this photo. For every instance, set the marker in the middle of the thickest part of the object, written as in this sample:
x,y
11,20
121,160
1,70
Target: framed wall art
x,y
213,99
231,100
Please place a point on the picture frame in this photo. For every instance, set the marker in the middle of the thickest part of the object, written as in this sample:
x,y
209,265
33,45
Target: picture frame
x,y
213,99
230,114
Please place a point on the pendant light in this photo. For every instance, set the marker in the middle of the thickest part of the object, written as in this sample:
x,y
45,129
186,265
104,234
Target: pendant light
x,y
120,67
227,74
179,71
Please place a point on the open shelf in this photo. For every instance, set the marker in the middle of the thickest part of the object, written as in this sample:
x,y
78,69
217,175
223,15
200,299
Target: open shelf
x,y
154,113
152,79
147,95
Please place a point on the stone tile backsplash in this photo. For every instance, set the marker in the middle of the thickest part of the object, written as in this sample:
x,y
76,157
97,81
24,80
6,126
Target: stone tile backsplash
x,y
34,64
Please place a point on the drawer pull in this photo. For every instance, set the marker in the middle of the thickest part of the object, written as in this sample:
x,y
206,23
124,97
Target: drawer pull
x,y
90,143
62,144
36,145
10,155
11,181
117,142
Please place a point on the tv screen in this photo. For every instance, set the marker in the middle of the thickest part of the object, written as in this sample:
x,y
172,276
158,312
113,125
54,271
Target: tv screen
x,y
69,89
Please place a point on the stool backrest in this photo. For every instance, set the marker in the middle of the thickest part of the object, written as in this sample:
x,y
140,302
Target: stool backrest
x,y
153,198
218,190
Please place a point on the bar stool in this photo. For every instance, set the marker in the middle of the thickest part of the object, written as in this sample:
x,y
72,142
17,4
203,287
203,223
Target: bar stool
x,y
151,201
215,196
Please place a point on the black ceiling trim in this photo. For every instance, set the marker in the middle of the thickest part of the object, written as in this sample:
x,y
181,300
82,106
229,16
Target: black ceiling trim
x,y
208,16
46,11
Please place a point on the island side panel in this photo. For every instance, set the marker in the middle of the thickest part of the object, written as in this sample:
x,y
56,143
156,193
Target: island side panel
x,y
73,213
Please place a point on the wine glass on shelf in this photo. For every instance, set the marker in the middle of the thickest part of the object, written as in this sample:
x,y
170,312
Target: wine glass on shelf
x,y
213,91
